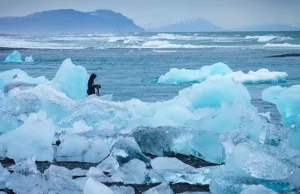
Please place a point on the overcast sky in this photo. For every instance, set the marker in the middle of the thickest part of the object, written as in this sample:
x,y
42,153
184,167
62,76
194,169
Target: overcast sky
x,y
150,13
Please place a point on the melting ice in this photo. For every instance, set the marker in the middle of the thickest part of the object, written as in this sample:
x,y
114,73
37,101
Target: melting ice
x,y
217,123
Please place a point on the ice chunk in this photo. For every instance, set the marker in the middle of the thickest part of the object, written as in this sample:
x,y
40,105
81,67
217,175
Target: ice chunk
x,y
25,167
94,187
133,172
254,189
171,139
287,101
14,57
207,145
259,76
162,188
187,75
95,172
293,137
190,176
122,190
67,151
97,151
34,137
168,163
126,149
3,176
29,59
71,79
237,117
177,76
212,93
17,75
60,180
110,164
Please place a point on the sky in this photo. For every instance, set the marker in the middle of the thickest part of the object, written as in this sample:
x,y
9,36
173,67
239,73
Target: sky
x,y
228,14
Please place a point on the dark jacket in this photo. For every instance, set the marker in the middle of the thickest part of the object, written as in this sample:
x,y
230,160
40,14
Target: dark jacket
x,y
91,86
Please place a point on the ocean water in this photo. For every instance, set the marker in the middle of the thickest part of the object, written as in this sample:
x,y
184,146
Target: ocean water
x,y
127,65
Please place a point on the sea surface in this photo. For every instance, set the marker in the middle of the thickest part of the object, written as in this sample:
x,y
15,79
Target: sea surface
x,y
127,65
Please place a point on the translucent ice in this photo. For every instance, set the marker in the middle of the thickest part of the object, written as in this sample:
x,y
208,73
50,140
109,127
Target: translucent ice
x,y
168,163
71,79
293,137
133,172
287,101
177,76
162,188
122,190
3,176
110,164
29,59
207,145
94,187
126,149
34,137
171,139
187,175
25,167
254,189
13,57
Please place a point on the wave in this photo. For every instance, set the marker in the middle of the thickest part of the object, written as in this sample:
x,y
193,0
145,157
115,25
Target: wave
x,y
164,51
284,45
178,76
268,38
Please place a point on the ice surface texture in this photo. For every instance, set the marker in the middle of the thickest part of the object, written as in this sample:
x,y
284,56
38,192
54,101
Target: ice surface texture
x,y
287,101
177,76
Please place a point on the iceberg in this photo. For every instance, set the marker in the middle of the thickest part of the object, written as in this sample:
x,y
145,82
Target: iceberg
x,y
168,163
71,79
29,59
14,57
179,76
287,101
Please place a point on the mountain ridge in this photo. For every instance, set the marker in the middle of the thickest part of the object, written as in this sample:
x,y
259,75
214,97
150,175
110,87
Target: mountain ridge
x,y
69,21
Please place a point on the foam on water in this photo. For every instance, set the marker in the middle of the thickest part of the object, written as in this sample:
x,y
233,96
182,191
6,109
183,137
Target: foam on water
x,y
284,45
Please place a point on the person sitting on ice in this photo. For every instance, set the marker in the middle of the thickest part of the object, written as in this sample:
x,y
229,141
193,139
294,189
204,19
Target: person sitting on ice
x,y
91,86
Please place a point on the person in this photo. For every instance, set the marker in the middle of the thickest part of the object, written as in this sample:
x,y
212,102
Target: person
x,y
91,86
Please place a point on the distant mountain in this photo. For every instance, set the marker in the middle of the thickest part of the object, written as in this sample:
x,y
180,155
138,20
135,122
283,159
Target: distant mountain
x,y
270,27
69,21
193,25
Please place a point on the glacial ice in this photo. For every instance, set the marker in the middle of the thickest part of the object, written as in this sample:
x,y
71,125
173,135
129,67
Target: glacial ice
x,y
71,80
254,189
188,75
34,137
14,57
133,172
207,145
287,101
178,76
122,190
168,163
95,187
217,123
29,59
162,188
